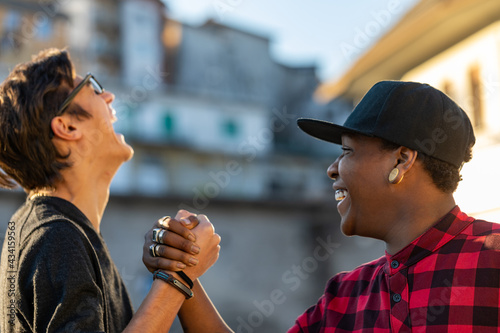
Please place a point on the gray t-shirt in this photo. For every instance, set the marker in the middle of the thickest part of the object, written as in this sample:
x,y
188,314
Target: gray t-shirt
x,y
57,275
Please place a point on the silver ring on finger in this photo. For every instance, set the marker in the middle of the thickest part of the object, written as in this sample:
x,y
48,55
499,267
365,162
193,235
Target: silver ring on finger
x,y
163,221
152,250
156,232
156,249
160,236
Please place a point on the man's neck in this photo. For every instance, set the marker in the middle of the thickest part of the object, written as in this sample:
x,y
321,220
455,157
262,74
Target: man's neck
x,y
90,195
416,220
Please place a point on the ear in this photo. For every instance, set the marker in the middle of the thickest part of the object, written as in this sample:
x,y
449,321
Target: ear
x,y
405,159
64,127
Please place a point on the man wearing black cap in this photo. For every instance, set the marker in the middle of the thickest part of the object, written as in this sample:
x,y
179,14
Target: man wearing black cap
x,y
403,148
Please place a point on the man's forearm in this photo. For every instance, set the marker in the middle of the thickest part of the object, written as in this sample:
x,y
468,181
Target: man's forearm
x,y
198,314
158,310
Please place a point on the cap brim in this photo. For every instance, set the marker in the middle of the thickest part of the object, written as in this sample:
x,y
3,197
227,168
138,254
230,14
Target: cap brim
x,y
325,130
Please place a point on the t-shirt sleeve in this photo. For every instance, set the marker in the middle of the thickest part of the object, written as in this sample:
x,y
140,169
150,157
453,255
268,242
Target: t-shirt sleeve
x,y
60,281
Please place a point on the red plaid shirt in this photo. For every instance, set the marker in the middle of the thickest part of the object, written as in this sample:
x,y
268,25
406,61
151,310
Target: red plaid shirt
x,y
447,280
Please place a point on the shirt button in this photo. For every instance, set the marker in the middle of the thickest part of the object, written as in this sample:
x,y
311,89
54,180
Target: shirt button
x,y
394,264
396,298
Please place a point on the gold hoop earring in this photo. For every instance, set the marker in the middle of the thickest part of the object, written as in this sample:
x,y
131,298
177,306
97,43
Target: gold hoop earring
x,y
393,176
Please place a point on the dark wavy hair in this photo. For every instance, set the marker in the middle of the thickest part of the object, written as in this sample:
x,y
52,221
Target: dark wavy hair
x,y
444,175
29,99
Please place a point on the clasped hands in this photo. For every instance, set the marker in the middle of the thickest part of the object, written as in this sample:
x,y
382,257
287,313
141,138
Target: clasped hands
x,y
189,244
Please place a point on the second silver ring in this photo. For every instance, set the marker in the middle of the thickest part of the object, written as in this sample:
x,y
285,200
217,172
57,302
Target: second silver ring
x,y
153,250
157,235
160,236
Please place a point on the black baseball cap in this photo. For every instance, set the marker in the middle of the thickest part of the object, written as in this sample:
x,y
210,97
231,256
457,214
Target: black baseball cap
x,y
410,114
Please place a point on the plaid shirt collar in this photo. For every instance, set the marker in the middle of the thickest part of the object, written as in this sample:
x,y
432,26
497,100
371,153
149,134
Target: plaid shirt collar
x,y
430,241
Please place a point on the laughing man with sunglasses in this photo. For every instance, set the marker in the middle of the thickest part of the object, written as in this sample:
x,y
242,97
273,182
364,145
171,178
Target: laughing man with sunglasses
x,y
58,143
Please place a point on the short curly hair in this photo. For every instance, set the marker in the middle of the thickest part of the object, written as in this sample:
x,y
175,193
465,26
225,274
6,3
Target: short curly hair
x,y
29,98
444,175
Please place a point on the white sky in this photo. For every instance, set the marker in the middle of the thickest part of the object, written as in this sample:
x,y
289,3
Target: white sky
x,y
328,33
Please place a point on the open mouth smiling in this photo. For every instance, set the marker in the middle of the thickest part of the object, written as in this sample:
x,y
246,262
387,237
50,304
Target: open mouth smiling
x,y
340,194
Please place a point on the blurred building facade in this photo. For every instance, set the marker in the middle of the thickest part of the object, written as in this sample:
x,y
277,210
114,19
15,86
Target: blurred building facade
x,y
26,27
212,119
454,46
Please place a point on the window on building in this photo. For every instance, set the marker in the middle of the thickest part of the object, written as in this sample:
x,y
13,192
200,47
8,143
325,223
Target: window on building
x,y
152,176
12,20
45,30
230,128
168,123
448,88
476,96
11,38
